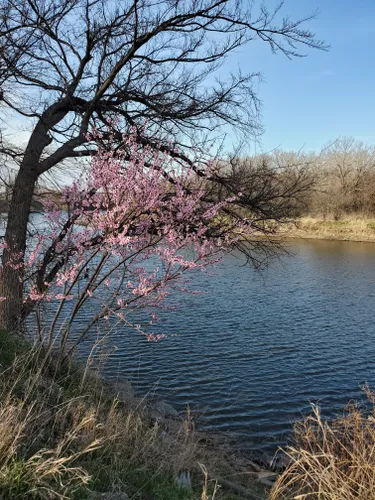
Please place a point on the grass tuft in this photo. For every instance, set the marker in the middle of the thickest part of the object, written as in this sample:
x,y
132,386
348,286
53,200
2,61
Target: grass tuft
x,y
331,460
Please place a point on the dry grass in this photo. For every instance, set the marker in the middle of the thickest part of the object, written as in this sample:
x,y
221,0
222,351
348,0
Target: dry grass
x,y
44,437
348,228
331,460
62,437
205,495
65,434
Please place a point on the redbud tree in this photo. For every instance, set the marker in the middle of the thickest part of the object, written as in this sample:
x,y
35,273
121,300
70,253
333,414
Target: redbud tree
x,y
132,227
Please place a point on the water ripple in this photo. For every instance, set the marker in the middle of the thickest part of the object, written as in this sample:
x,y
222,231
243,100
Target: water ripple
x,y
257,349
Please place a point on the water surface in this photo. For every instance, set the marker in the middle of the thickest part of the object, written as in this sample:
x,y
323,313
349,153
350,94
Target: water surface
x,y
256,349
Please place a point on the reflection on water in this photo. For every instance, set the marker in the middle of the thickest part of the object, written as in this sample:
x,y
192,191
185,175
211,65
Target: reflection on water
x,y
257,348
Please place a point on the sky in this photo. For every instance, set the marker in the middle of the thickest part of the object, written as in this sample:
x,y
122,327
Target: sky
x,y
311,101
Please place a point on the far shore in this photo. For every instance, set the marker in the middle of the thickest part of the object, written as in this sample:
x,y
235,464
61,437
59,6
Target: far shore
x,y
345,229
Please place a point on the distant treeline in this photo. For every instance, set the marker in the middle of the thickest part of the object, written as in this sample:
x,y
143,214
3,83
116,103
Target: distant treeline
x,y
330,184
333,183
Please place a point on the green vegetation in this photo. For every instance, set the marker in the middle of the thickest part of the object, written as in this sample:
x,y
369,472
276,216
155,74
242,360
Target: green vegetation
x,y
67,434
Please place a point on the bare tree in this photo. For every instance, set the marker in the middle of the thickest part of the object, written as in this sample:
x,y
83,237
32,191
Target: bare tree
x,y
344,177
275,185
69,65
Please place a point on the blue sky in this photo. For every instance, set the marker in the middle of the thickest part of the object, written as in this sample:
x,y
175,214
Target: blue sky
x,y
311,101
308,102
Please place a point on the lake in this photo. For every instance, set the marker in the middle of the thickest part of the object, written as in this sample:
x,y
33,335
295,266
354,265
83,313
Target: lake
x,y
257,348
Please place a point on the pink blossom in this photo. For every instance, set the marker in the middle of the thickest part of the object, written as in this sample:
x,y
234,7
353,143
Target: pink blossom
x,y
130,223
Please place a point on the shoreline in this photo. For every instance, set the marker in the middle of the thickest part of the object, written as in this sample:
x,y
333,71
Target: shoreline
x,y
263,471
347,229
122,444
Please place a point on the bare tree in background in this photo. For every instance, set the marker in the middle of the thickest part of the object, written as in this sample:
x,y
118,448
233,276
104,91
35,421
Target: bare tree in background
x,y
276,185
69,65
344,178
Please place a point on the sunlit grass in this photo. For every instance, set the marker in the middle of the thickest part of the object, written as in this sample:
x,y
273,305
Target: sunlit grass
x,y
65,434
331,460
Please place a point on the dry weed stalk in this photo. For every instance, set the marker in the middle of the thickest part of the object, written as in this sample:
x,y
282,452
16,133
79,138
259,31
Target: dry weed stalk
x,y
205,495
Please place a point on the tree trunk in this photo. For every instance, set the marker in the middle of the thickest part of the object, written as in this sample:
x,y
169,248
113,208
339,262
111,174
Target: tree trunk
x,y
11,283
11,278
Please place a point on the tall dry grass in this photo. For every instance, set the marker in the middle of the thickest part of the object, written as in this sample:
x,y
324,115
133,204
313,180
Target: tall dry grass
x,y
331,460
43,435
65,434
